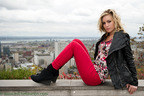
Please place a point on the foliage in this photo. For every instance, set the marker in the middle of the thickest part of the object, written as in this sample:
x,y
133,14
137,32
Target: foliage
x,y
73,67
139,61
141,32
22,73
36,69
140,72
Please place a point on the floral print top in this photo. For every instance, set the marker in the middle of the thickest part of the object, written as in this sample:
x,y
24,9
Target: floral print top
x,y
100,61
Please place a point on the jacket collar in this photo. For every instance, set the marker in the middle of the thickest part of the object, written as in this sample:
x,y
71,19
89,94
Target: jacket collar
x,y
118,42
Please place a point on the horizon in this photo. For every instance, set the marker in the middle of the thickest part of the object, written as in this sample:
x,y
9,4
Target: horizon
x,y
35,38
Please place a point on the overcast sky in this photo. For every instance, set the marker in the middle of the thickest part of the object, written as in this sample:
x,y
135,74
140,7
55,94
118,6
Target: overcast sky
x,y
65,17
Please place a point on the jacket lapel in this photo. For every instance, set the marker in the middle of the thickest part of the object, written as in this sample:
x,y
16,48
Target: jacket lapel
x,y
118,42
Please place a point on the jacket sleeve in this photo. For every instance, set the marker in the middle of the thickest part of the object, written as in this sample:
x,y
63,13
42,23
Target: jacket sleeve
x,y
95,52
130,61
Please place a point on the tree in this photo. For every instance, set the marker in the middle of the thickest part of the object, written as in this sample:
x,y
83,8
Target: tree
x,y
141,32
139,45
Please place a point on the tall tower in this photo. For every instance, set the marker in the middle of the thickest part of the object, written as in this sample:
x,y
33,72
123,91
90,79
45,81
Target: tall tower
x,y
6,51
0,50
59,46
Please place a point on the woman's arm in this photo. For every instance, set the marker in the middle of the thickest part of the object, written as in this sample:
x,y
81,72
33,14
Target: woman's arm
x,y
132,87
130,61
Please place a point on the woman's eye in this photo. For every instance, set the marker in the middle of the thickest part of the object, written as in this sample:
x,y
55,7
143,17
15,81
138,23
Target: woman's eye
x,y
109,21
103,23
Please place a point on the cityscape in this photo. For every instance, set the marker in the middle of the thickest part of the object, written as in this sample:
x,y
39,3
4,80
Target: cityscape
x,y
38,54
34,54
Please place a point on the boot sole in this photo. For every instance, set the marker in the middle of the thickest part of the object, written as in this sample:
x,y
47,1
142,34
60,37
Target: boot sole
x,y
47,82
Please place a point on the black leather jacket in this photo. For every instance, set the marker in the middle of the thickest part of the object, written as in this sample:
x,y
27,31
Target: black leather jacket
x,y
120,62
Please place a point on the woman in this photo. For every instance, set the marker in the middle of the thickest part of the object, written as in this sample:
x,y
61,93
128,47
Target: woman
x,y
112,54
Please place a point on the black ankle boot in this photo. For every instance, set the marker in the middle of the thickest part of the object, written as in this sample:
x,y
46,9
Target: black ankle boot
x,y
47,75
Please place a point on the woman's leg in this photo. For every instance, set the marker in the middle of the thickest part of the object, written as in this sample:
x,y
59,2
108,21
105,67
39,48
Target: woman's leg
x,y
83,62
80,42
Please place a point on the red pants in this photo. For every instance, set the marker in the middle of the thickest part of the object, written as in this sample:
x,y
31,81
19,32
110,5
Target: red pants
x,y
83,61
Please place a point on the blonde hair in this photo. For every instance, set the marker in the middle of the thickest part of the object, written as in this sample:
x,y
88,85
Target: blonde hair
x,y
116,18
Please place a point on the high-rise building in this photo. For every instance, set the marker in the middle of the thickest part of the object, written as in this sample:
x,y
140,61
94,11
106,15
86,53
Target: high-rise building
x,y
59,46
0,50
16,57
6,51
11,61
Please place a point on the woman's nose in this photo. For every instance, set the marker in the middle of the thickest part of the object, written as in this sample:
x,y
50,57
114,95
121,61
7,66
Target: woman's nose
x,y
106,24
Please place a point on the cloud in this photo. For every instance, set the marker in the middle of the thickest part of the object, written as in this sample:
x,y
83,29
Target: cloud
x,y
82,12
25,4
46,29
27,15
46,15
65,17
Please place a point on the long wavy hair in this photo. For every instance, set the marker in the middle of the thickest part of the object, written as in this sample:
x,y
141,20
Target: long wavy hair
x,y
115,17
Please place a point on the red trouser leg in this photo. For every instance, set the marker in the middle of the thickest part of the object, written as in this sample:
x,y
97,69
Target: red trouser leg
x,y
78,41
84,64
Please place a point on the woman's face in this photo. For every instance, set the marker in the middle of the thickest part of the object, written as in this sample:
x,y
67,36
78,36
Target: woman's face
x,y
108,23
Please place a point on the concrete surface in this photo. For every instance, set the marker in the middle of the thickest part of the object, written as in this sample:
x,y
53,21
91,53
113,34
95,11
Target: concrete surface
x,y
63,88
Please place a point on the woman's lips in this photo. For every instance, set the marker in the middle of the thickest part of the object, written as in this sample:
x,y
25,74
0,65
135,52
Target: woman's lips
x,y
107,28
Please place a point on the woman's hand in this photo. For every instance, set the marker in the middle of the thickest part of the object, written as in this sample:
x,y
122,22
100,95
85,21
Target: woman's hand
x,y
131,88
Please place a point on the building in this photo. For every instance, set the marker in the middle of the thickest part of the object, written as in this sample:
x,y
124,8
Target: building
x,y
27,53
16,57
0,51
6,51
27,65
59,46
7,66
43,58
11,61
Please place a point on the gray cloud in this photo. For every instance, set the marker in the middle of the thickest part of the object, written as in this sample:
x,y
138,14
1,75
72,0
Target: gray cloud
x,y
65,17
25,4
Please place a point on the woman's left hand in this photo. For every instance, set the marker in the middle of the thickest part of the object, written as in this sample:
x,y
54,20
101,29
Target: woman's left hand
x,y
131,88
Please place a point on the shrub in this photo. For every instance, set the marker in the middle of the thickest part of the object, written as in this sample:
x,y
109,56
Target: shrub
x,y
16,74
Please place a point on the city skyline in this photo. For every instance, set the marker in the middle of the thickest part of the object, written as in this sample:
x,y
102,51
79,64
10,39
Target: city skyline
x,y
65,18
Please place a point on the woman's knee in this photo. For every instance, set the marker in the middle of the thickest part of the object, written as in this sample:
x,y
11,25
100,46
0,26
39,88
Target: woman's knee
x,y
77,40
74,43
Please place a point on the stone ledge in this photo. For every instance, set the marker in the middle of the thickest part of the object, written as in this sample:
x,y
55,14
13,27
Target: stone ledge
x,y
29,85
66,88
